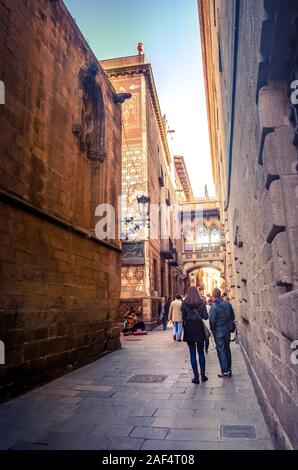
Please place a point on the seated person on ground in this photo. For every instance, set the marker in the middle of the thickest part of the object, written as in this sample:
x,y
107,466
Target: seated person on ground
x,y
133,322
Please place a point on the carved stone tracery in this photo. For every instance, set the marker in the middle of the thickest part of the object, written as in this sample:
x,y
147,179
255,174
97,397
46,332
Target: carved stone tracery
x,y
89,122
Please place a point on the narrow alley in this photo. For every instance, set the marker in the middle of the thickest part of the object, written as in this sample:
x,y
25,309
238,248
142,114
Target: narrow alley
x,y
148,177
140,397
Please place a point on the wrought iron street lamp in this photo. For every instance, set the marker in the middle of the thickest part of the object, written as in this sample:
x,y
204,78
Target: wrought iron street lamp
x,y
134,224
143,203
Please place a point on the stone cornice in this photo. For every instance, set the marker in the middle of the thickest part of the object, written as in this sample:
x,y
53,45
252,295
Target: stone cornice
x,y
205,19
182,174
17,201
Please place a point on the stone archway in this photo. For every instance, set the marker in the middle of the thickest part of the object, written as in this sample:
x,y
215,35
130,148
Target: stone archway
x,y
194,265
203,274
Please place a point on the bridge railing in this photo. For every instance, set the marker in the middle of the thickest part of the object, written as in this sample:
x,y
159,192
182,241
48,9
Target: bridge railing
x,y
204,251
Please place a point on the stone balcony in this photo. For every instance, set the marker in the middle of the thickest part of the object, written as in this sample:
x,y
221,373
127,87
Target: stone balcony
x,y
167,248
207,255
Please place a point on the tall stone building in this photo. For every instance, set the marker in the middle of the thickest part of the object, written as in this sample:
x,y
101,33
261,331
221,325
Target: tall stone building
x,y
150,259
184,192
60,146
250,57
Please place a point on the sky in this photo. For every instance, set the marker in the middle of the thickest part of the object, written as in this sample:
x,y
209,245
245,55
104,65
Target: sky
x,y
169,30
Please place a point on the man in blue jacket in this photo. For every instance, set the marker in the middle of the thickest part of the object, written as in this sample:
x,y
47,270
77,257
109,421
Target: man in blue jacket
x,y
221,318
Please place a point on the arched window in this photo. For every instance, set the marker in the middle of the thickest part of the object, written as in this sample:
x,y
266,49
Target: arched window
x,y
203,237
214,236
188,234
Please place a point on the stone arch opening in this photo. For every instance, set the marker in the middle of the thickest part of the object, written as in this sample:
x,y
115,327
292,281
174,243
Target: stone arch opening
x,y
192,266
206,278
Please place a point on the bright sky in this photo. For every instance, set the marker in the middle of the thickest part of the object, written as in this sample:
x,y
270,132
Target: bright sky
x,y
169,30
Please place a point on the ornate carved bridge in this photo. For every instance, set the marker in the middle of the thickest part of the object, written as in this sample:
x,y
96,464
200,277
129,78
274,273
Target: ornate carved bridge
x,y
206,257
203,240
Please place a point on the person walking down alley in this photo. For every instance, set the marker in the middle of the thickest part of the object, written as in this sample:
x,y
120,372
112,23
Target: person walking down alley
x,y
222,324
164,312
193,313
175,315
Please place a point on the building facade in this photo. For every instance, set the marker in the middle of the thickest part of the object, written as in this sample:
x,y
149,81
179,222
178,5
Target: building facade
x,y
182,182
60,157
250,64
150,267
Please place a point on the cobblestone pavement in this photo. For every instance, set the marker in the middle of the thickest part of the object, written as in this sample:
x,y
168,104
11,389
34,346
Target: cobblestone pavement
x,y
101,407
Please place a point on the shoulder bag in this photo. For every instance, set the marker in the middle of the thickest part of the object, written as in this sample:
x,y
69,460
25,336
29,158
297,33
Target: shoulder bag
x,y
206,329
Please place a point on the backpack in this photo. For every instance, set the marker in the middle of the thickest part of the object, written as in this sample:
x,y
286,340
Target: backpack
x,y
231,323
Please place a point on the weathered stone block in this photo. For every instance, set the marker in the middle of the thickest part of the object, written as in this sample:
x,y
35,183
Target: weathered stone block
x,y
113,344
268,273
293,244
280,155
58,361
266,252
277,206
288,314
244,311
14,355
41,333
115,332
289,186
272,341
270,154
36,367
44,348
281,260
267,220
273,105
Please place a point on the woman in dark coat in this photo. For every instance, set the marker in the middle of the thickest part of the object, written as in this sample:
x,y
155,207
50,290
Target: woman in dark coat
x,y
193,311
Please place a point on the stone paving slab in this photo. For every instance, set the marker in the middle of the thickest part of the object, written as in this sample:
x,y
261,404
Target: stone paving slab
x,y
193,435
149,432
187,422
121,430
98,407
123,443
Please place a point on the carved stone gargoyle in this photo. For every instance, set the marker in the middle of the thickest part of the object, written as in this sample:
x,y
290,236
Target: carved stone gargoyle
x,y
119,98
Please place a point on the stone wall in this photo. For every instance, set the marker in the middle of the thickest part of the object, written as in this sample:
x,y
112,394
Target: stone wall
x,y
60,286
250,59
266,264
263,220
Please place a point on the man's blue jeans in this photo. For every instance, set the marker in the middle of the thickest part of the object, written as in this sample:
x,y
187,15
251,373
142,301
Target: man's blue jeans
x,y
193,347
222,341
177,329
